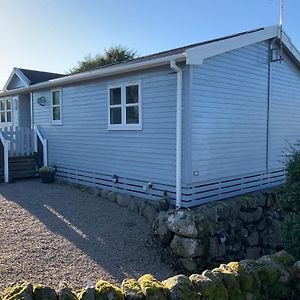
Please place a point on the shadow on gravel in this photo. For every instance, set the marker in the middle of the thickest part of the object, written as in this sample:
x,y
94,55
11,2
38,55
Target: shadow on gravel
x,y
113,237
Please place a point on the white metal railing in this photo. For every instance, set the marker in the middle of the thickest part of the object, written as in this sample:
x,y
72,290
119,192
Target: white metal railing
x,y
5,157
39,138
19,139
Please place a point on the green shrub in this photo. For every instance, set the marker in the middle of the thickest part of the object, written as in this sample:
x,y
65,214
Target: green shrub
x,y
290,201
47,169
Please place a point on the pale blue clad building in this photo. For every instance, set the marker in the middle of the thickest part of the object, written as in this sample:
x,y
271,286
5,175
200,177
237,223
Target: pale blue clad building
x,y
203,122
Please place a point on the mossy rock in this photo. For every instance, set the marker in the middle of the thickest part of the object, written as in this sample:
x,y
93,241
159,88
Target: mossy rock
x,y
132,290
230,280
87,294
105,290
209,288
181,288
41,292
283,258
21,291
248,278
66,292
248,201
152,288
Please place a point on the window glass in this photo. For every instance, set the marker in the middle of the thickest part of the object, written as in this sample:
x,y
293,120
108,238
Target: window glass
x,y
116,115
55,98
8,104
2,116
8,116
56,113
132,94
2,104
115,96
132,115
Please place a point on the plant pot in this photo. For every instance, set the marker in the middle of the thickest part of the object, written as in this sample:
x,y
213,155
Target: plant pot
x,y
47,177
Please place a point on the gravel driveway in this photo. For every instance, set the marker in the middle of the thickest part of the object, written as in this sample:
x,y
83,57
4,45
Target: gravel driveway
x,y
52,233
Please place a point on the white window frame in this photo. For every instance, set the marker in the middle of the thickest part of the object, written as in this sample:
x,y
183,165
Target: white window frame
x,y
5,123
123,105
56,122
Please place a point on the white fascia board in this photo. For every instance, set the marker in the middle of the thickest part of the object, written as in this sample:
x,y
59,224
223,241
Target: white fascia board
x,y
289,45
18,73
95,74
196,56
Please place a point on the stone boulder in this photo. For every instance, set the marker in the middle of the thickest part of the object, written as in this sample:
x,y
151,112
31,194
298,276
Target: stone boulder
x,y
65,292
21,291
105,290
161,229
153,289
132,290
123,200
187,247
41,292
150,213
87,294
209,287
182,222
181,288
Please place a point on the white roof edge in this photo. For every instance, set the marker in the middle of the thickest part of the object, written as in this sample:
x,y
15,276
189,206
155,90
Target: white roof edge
x,y
17,72
94,74
198,54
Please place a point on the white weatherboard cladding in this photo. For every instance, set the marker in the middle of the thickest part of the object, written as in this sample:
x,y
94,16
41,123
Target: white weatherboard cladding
x,y
84,143
284,111
229,114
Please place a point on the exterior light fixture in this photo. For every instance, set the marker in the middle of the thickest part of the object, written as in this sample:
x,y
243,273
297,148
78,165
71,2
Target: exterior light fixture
x,y
41,101
115,179
148,186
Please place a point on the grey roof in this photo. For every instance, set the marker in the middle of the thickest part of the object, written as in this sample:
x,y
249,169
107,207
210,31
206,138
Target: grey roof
x,y
178,50
39,76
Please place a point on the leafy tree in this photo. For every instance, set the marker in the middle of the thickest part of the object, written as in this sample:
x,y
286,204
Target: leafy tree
x,y
114,54
291,201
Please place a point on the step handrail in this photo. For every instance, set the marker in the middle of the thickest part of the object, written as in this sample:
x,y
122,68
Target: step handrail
x,y
44,142
5,147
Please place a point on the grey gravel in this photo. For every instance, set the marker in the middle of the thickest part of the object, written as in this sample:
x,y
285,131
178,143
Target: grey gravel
x,y
53,232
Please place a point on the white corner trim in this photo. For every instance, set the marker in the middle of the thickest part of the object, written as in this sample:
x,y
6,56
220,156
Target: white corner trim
x,y
18,73
196,56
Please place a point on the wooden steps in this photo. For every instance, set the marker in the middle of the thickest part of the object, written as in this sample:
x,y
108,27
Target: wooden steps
x,y
22,167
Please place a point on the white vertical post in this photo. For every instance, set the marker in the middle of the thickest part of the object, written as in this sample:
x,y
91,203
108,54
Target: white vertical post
x,y
178,70
45,152
6,171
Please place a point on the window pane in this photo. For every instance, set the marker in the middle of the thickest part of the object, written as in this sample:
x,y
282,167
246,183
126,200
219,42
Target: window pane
x,y
56,113
115,96
115,115
55,98
2,116
132,115
2,106
8,116
8,104
132,94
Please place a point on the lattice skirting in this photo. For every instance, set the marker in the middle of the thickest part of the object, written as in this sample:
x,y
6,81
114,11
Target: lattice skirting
x,y
192,195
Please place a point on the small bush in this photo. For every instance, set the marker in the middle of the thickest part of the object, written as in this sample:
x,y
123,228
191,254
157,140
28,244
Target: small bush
x,y
47,169
291,201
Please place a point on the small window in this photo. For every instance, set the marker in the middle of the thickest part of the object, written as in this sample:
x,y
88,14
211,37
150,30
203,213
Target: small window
x,y
5,111
125,107
56,107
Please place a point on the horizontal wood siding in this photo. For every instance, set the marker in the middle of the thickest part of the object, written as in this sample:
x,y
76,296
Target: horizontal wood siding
x,y
284,110
229,114
84,143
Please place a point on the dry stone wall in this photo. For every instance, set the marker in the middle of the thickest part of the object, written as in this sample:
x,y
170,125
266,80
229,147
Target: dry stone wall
x,y
274,276
247,226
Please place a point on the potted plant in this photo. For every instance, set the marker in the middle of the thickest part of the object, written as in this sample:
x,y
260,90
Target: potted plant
x,y
47,174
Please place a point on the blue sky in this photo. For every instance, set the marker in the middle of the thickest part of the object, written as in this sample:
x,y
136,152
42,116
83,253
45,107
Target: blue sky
x,y
53,35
